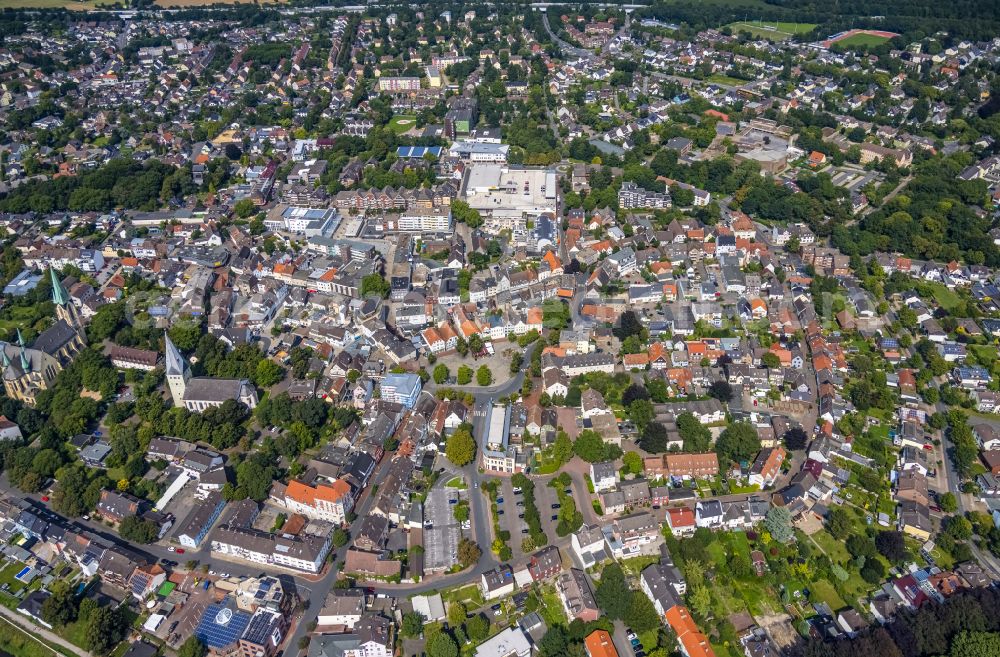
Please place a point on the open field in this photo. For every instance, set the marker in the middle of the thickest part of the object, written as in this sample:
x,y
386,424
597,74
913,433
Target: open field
x,y
48,4
859,38
776,31
718,78
205,3
402,122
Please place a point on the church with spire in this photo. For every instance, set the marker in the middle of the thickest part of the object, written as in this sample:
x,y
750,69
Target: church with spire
x,y
30,370
199,393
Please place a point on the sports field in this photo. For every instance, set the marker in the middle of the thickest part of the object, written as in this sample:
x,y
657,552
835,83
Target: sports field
x,y
776,31
402,122
859,38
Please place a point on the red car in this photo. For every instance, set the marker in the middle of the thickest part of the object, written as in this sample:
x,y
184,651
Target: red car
x,y
180,550
45,498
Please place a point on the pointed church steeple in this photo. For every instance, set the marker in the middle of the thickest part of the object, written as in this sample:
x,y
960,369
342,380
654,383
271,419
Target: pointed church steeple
x,y
174,360
25,363
178,372
4,359
66,310
59,296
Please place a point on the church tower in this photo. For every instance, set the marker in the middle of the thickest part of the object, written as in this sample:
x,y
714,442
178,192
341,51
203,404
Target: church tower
x,y
66,310
178,372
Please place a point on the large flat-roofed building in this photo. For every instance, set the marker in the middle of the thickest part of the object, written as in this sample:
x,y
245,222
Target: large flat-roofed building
x,y
498,454
477,151
508,196
420,220
398,84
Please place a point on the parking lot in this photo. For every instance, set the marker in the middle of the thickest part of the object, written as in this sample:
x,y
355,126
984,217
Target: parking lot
x,y
509,519
441,531
545,497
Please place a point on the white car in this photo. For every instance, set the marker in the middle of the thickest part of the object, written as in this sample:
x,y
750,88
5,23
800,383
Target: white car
x,y
170,549
211,572
224,575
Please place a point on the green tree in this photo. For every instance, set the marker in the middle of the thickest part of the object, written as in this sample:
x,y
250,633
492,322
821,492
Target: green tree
x,y
478,628
778,521
696,437
654,438
340,537
441,373
641,412
461,447
413,624
701,600
975,644
267,373
562,448
192,647
137,530
948,502
613,594
484,376
838,521
374,284
739,442
468,552
456,614
721,390
641,614
589,446
632,463
105,629
770,360
442,644
890,545
244,208
464,376
61,607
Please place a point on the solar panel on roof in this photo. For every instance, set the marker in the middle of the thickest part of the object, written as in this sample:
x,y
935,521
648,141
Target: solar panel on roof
x,y
216,634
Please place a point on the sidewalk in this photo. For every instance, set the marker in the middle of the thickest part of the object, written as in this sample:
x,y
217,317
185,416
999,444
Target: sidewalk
x,y
32,629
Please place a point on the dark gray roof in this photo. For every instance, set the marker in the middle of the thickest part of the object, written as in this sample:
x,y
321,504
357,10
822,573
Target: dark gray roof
x,y
213,390
53,338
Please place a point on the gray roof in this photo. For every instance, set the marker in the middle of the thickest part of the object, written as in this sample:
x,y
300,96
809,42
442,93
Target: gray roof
x,y
213,390
53,338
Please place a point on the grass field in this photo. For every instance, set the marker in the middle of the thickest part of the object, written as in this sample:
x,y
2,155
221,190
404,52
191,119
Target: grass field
x,y
823,591
776,31
948,299
718,78
457,482
402,122
862,41
48,4
203,3
19,643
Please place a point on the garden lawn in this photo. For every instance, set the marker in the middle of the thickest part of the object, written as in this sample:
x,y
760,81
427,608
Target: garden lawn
x,y
552,608
823,591
466,593
717,553
726,79
945,297
19,643
457,482
834,549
